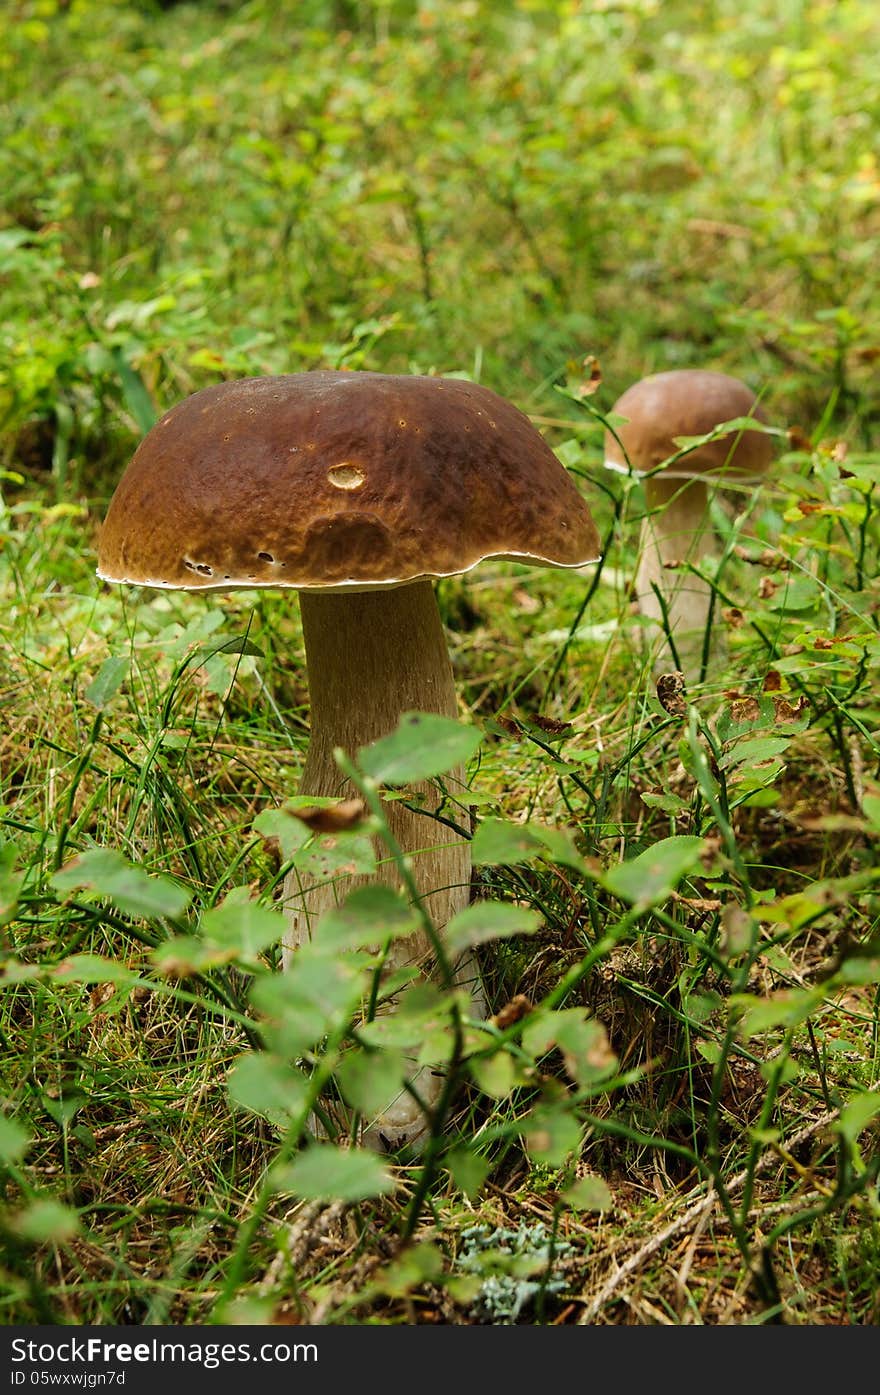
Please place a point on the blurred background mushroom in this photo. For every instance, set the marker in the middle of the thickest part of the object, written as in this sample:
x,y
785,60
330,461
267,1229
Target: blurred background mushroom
x,y
677,533
357,489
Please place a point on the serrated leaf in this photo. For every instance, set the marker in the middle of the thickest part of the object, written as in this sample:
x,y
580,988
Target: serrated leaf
x,y
589,1193
489,920
423,746
107,680
128,888
651,878
327,1172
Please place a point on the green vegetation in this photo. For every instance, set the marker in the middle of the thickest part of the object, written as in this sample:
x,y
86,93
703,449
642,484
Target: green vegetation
x,y
672,1115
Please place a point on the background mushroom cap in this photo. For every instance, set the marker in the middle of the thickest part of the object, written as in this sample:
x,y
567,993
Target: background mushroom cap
x,y
339,479
688,402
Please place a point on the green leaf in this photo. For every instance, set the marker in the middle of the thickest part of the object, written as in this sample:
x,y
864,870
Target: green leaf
x,y
651,878
134,391
46,1221
423,746
128,888
489,920
582,1040
291,832
11,881
332,855
857,1113
420,1263
93,968
242,925
552,1133
369,1080
495,1074
784,1009
14,1140
302,1005
267,1085
468,1170
589,1193
328,1172
498,843
107,680
370,916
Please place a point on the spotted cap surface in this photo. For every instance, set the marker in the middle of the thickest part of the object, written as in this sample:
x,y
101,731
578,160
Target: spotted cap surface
x,y
688,402
338,480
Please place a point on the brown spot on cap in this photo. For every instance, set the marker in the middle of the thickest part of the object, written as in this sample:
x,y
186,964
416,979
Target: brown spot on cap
x,y
359,504
688,402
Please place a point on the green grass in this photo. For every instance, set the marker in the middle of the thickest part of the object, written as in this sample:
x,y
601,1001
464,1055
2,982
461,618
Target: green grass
x,y
497,191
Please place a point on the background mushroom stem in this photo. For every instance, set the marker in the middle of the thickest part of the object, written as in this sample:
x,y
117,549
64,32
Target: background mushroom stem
x,y
371,656
677,528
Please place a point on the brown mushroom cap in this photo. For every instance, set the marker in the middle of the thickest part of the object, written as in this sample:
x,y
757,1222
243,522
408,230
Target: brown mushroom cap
x,y
339,480
688,402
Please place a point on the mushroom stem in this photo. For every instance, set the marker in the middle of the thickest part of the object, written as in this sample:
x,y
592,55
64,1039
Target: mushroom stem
x,y
373,655
676,529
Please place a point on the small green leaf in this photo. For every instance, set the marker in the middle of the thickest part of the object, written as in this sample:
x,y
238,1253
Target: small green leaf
x,y
128,888
134,391
370,1080
11,881
786,1008
328,1172
498,843
495,1074
46,1221
14,1140
241,645
582,1040
303,1004
468,1170
489,920
267,1085
370,916
857,1113
107,680
552,1133
291,832
651,878
589,1193
420,1263
242,926
422,747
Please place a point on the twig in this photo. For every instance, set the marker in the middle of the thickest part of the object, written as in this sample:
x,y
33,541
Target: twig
x,y
696,1212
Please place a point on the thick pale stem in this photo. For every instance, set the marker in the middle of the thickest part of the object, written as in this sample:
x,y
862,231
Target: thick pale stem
x,y
371,656
677,529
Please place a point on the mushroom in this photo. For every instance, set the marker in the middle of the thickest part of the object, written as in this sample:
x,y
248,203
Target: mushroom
x,y
677,528
356,489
